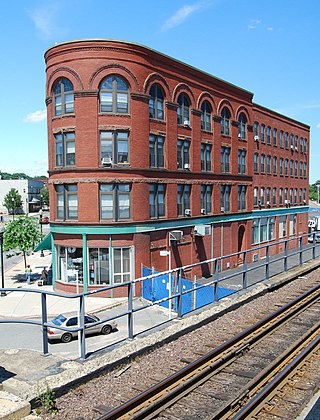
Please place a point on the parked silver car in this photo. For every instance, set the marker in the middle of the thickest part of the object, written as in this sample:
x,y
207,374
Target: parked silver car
x,y
71,321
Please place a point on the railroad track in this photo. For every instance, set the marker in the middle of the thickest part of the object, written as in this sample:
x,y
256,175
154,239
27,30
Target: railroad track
x,y
238,378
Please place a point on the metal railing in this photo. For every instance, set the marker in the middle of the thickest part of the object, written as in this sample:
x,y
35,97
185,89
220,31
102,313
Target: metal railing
x,y
290,257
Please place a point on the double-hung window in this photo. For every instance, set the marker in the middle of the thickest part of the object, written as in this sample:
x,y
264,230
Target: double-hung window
x,y
206,116
65,146
225,122
67,201
242,189
157,198
156,151
242,161
184,193
225,159
183,154
122,271
242,126
156,102
281,139
206,198
255,162
206,157
114,95
268,164
115,201
114,147
183,110
225,198
274,165
268,135
275,136
263,130
255,196
63,97
262,163
281,166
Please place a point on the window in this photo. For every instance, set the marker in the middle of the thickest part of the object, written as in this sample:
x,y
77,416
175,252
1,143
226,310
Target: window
x,y
242,126
296,143
291,142
156,151
268,135
63,97
268,196
157,199
67,201
114,145
255,231
263,229
115,201
282,226
271,228
225,159
114,95
99,263
184,192
256,128
262,161
121,265
292,224
255,162
291,196
305,170
304,195
300,195
281,139
301,170
183,154
242,189
286,140
262,196
206,198
291,168
225,122
255,196
156,102
70,267
274,166
206,157
263,127
269,164
275,133
295,168
183,110
206,116
295,196
241,161
305,145
274,196
286,163
225,198
280,196
301,144
285,195
65,146
281,166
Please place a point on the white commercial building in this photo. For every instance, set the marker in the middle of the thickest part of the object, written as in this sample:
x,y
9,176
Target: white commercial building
x,y
29,189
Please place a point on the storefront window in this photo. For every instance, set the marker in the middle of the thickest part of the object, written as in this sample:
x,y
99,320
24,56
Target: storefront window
x,y
99,266
70,266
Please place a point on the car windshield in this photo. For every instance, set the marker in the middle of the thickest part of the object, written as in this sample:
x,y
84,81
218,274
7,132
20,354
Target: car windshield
x,y
58,320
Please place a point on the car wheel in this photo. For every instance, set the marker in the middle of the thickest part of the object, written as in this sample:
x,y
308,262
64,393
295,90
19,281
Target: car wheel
x,y
66,338
106,329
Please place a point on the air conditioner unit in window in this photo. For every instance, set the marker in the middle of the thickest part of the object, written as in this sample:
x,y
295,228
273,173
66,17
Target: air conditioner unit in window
x,y
186,166
203,211
286,201
186,123
202,230
256,138
106,161
291,147
268,203
222,209
187,212
239,136
296,149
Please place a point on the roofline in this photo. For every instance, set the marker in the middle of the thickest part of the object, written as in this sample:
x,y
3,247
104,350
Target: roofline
x,y
264,108
154,51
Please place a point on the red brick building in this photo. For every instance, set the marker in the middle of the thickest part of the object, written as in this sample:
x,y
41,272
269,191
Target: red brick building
x,y
144,150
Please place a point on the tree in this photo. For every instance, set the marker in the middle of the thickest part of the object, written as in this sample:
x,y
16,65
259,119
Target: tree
x,y
22,235
44,192
313,191
12,201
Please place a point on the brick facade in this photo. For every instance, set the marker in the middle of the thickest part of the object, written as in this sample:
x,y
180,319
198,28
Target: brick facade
x,y
86,64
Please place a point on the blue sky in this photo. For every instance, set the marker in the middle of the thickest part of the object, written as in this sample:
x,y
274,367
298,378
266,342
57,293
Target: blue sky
x,y
269,47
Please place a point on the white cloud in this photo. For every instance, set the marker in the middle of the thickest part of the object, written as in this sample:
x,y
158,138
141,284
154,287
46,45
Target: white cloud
x,y
182,14
43,19
36,117
253,23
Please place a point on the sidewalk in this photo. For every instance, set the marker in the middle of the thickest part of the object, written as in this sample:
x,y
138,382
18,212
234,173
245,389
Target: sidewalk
x,y
23,304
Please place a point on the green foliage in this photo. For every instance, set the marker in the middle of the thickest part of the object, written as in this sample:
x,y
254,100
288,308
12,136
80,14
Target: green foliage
x,y
45,195
48,401
18,175
22,234
313,191
12,201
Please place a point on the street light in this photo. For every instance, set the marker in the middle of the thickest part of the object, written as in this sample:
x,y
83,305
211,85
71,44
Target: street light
x,y
40,221
3,293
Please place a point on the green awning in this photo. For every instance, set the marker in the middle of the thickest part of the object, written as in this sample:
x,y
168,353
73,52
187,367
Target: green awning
x,y
44,244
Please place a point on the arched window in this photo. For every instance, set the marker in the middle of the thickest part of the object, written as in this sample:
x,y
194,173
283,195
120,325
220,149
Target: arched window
x,y
114,95
225,122
183,110
63,97
206,116
156,102
242,126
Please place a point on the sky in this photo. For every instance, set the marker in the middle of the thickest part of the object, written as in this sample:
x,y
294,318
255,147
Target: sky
x,y
268,47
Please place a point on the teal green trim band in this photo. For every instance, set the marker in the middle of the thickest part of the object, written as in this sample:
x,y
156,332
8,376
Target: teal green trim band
x,y
85,262
174,224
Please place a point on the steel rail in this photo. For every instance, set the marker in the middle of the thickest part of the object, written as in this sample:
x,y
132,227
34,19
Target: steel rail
x,y
153,400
